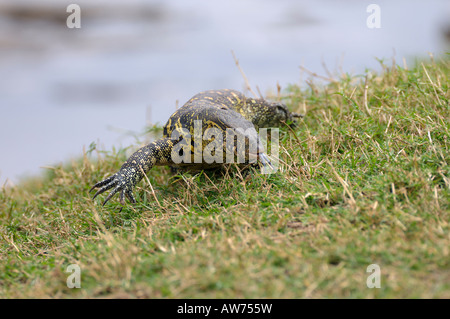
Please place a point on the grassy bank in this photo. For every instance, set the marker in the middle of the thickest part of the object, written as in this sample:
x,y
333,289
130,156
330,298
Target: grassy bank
x,y
364,179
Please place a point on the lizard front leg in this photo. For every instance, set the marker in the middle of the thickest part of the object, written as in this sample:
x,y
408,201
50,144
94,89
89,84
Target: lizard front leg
x,y
133,170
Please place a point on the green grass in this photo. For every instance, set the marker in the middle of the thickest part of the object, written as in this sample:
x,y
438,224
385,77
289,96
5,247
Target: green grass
x,y
365,180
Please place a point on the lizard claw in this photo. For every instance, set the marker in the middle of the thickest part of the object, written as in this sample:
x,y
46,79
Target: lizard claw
x,y
118,183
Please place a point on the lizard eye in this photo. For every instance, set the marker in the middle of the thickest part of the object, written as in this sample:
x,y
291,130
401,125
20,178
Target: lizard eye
x,y
281,108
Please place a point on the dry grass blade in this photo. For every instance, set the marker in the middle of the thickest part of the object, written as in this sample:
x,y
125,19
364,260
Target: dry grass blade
x,y
151,187
247,84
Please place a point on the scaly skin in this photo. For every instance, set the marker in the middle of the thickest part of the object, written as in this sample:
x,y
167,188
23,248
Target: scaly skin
x,y
219,109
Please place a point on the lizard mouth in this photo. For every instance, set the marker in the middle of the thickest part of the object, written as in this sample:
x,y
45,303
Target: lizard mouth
x,y
293,117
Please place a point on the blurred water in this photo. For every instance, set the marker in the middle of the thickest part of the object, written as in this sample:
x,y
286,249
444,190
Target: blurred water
x,y
129,64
